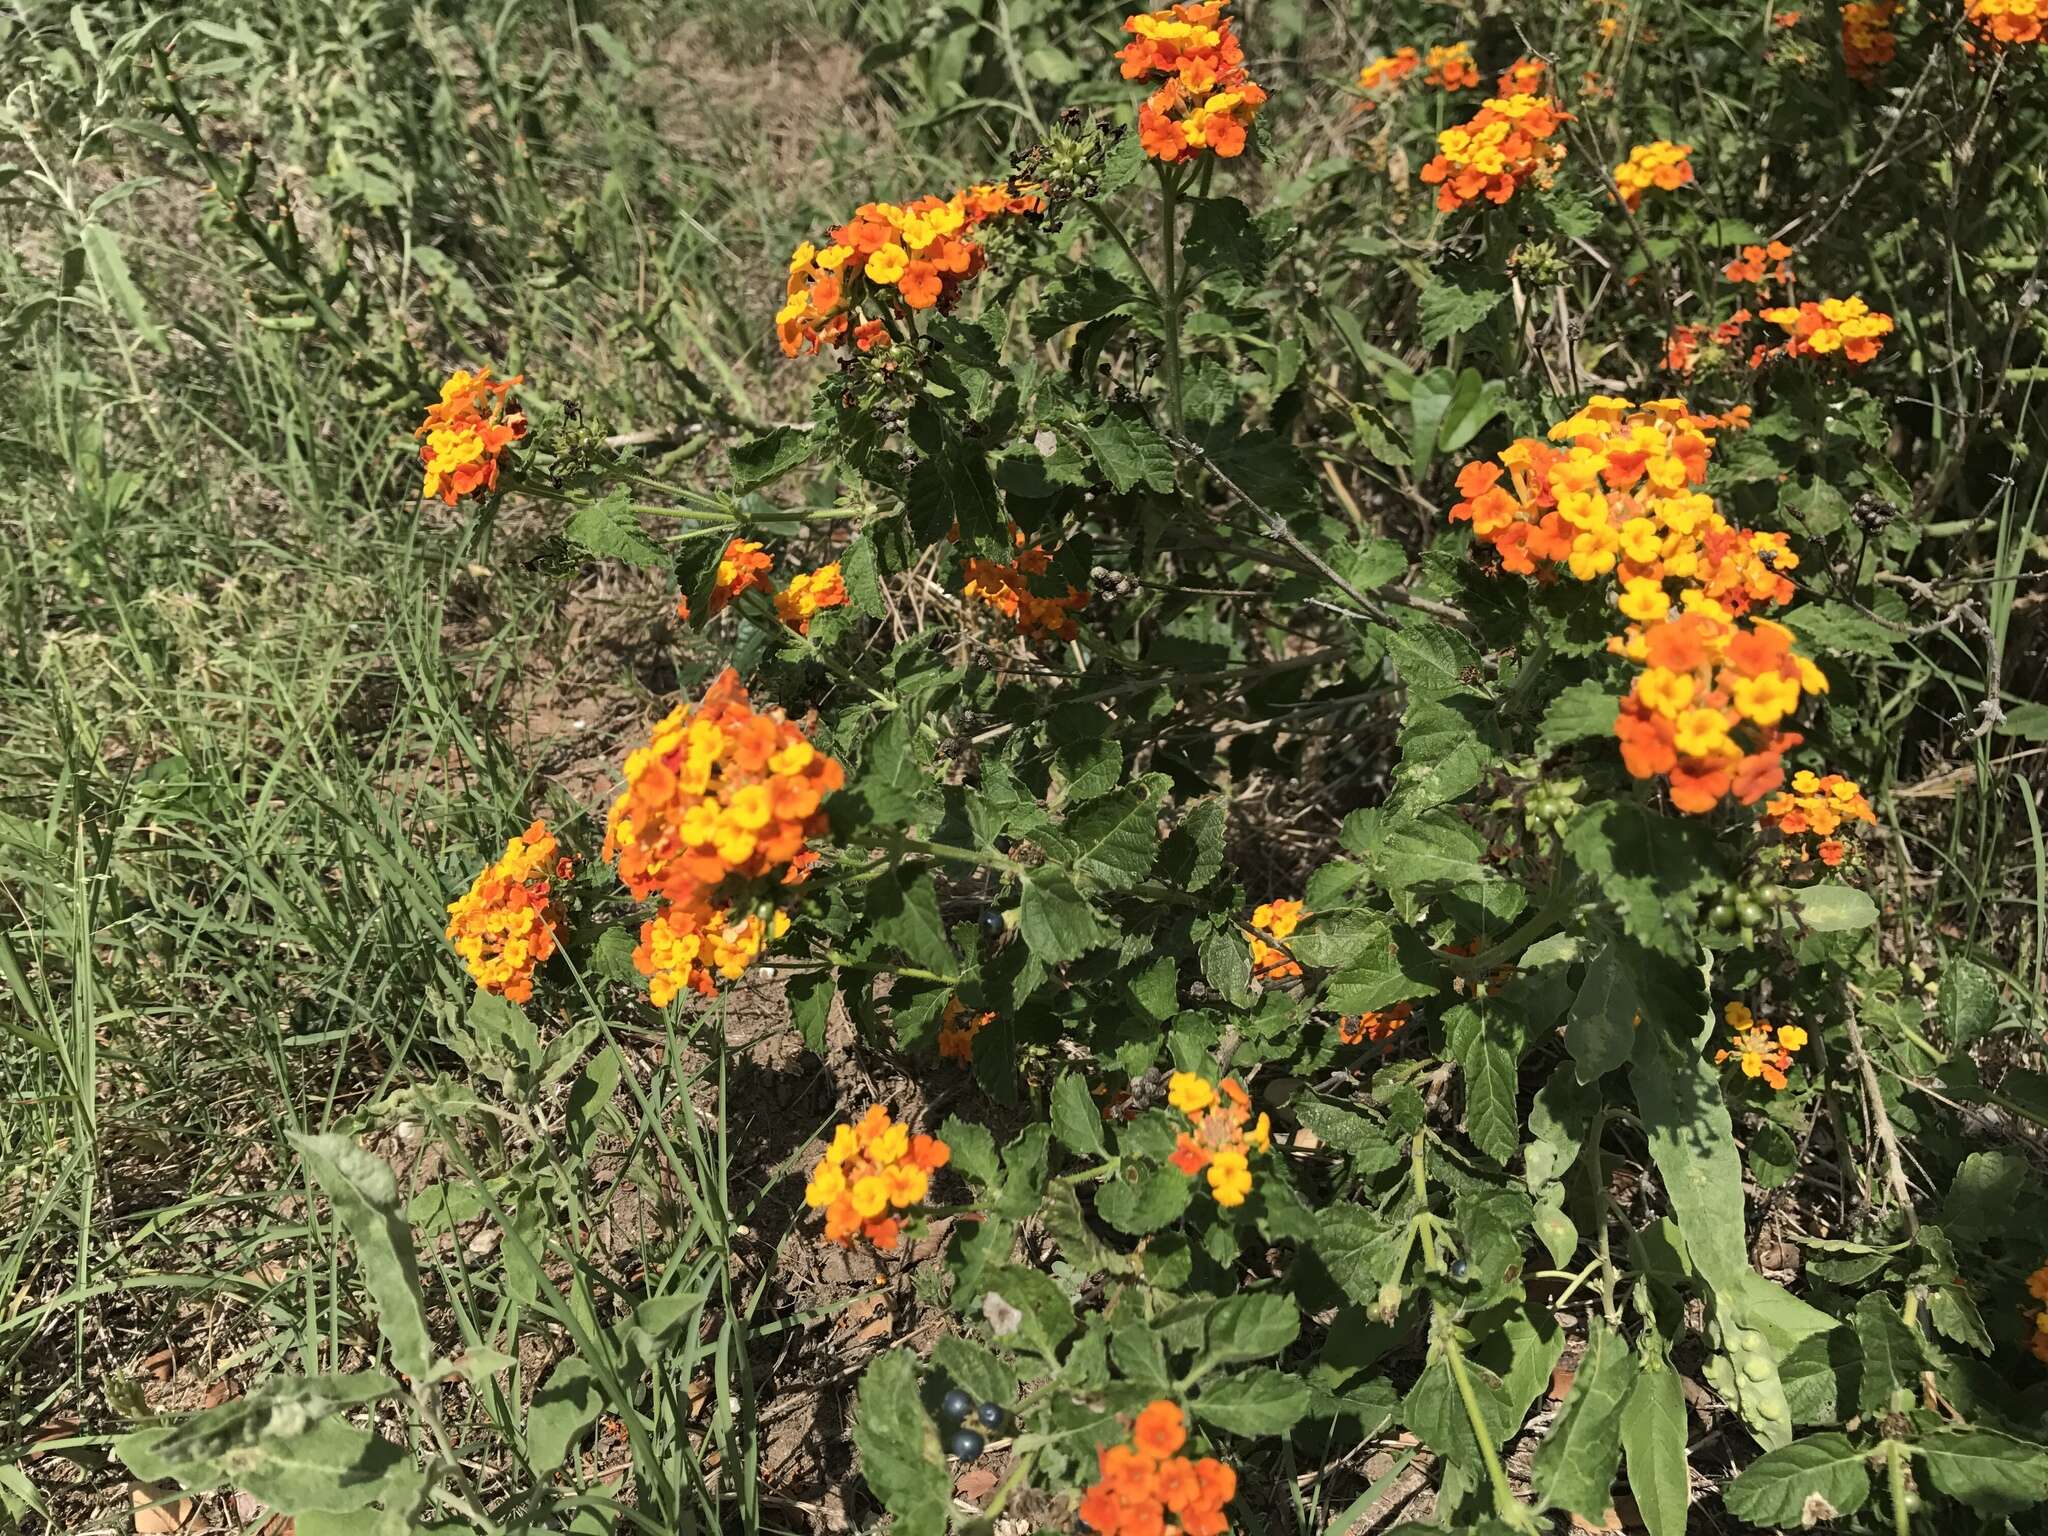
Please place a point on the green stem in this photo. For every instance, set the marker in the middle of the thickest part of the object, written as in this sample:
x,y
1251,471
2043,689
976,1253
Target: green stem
x,y
1596,1173
1169,297
1505,1504
949,851
1895,1475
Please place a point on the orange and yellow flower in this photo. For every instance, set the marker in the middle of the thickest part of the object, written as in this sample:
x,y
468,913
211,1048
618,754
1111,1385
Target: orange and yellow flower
x,y
2037,1335
1450,68
1868,43
1756,1049
1206,100
808,593
1820,807
505,924
1762,265
1659,166
1505,145
1277,920
1147,1488
466,432
1220,1144
1006,587
1848,326
743,566
2003,22
871,1170
890,259
1383,74
1378,1026
716,810
1524,77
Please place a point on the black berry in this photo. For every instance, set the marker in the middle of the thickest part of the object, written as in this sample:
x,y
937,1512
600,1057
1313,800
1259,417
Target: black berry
x,y
1460,1269
991,922
965,1444
955,1406
990,1415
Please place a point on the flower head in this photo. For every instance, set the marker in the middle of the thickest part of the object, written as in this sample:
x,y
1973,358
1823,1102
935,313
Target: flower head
x,y
1205,100
1867,41
1756,1050
1147,1488
1218,1142
466,431
872,1169
1846,326
1376,1027
1277,920
957,1029
505,924
1660,166
743,566
1007,588
1383,74
1505,145
807,593
2005,22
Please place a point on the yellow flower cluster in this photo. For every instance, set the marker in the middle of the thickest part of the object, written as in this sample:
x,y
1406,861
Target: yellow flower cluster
x,y
871,1169
504,924
1220,1143
807,593
1277,920
1755,1049
1660,166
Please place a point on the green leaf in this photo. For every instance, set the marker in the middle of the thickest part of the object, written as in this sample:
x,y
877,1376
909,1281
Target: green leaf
x,y
1075,1119
1486,1047
974,1150
1362,1251
899,1447
1653,1431
1128,452
1434,1410
967,1365
1045,1317
1111,841
1994,1474
561,1411
1435,849
696,568
1429,655
1586,709
1474,402
1968,1002
1835,908
1892,1356
902,910
1333,940
1822,1477
1444,750
365,1196
953,487
1263,1401
810,994
1575,1464
1193,854
1139,1201
1223,237
608,529
110,271
1654,869
768,456
1055,920
1600,1032
1446,309
1837,628
1692,1142
1252,1326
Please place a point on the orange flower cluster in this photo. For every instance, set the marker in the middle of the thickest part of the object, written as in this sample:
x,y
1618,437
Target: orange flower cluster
x,y
743,566
465,433
916,256
1450,68
1753,1047
1277,920
870,1170
1220,1143
1207,100
1623,501
1007,588
1820,806
1762,265
1660,166
2009,21
1867,41
1386,73
958,1028
1147,1488
1506,143
1524,77
2037,1287
809,592
505,924
716,805
1376,1027
1848,326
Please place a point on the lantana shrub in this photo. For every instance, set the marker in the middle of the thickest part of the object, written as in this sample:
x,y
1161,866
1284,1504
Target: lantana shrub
x,y
1340,754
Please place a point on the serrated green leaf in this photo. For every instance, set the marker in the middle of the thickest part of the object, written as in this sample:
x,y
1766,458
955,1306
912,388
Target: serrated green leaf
x,y
1252,1326
1111,841
1994,1474
1262,1402
1600,1032
1892,1356
1056,922
1692,1142
608,529
1140,1201
1822,1477
1362,1251
1586,709
767,456
1486,1047
973,1148
1334,940
967,1365
902,910
1075,1119
899,1449
1129,452
1447,309
1968,1002
1654,869
1831,908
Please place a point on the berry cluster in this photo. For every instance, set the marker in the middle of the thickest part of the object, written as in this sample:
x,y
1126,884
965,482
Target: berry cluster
x,y
1506,144
902,258
1207,101
716,807
466,431
972,1423
505,924
1277,920
1754,1047
1220,1144
1660,166
1147,1488
871,1169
